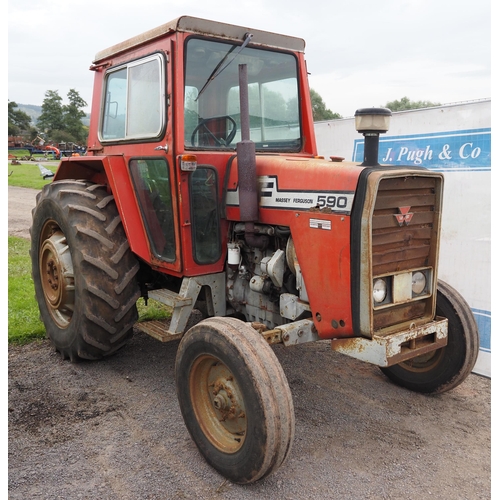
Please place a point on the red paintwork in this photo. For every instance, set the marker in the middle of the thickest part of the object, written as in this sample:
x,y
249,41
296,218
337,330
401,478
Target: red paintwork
x,y
324,256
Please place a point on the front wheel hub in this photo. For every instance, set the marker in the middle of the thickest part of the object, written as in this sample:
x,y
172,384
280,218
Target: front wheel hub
x,y
222,401
218,404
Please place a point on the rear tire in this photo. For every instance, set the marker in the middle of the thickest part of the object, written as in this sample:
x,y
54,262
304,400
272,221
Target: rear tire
x,y
235,399
446,368
83,270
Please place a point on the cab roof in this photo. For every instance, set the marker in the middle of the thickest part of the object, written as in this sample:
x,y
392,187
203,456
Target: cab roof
x,y
205,27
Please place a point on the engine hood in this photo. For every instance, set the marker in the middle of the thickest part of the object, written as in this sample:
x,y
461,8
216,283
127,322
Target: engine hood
x,y
289,184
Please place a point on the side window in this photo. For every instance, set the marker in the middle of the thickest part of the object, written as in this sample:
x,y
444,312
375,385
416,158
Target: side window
x,y
113,125
134,100
152,186
205,215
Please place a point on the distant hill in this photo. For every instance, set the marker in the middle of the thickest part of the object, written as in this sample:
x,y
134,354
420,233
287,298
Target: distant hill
x,y
34,113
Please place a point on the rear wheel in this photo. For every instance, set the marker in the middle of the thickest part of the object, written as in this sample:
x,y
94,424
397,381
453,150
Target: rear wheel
x,y
443,369
83,270
235,399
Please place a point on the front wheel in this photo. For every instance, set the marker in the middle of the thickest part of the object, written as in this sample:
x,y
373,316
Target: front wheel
x,y
445,368
234,398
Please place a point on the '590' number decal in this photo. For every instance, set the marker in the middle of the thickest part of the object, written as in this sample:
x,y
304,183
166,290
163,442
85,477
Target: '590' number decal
x,y
333,201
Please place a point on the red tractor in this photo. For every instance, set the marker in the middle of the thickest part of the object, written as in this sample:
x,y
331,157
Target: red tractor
x,y
202,188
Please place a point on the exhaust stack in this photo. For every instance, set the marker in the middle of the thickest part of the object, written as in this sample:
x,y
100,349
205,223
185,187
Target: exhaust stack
x,y
247,170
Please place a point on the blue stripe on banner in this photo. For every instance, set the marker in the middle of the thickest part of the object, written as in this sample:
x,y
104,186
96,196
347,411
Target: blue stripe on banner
x,y
483,319
462,150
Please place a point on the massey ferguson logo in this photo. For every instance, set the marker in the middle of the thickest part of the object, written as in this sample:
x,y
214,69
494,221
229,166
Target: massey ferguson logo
x,y
405,216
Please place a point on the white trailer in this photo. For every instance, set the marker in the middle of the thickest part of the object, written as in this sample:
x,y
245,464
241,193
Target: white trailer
x,y
454,139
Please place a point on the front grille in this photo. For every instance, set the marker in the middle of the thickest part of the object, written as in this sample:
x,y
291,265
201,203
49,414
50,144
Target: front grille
x,y
398,247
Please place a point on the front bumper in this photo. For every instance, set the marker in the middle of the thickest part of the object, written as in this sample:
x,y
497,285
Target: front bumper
x,y
394,348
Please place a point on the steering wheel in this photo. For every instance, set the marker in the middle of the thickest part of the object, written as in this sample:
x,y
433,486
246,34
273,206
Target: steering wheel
x,y
219,141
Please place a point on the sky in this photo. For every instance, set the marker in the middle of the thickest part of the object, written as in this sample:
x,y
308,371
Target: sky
x,y
360,53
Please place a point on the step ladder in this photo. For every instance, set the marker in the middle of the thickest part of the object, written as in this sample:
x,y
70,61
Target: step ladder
x,y
182,304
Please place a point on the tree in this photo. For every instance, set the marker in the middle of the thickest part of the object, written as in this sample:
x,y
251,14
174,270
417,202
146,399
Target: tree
x,y
61,136
18,121
73,115
320,111
404,103
63,123
52,117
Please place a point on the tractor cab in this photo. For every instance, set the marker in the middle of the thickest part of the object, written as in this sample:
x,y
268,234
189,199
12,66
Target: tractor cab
x,y
168,103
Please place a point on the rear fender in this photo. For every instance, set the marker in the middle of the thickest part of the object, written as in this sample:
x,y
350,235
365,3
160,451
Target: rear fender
x,y
112,172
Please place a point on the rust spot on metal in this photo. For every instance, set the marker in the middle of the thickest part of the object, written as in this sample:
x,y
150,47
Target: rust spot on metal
x,y
350,344
158,329
270,336
418,347
260,327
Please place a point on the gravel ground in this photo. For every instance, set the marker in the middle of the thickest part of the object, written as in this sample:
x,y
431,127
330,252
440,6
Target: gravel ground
x,y
113,430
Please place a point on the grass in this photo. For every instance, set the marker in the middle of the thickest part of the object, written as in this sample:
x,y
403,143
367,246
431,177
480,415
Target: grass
x,y
24,324
153,311
27,175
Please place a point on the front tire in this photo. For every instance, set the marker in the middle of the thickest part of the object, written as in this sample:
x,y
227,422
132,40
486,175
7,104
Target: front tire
x,y
83,270
446,368
234,398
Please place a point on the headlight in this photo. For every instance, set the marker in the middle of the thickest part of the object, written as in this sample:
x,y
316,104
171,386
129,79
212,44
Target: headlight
x,y
418,282
379,290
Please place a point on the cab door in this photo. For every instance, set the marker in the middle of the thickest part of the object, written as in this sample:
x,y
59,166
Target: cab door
x,y
135,123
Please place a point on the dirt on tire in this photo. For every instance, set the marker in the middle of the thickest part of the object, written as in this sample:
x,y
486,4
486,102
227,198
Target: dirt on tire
x,y
112,429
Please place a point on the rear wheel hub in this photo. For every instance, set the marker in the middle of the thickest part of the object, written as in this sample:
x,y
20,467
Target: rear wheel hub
x,y
57,278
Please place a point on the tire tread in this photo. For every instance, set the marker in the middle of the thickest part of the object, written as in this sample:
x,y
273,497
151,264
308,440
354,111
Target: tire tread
x,y
104,268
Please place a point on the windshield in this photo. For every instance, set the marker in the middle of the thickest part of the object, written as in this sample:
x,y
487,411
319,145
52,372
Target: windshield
x,y
212,100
